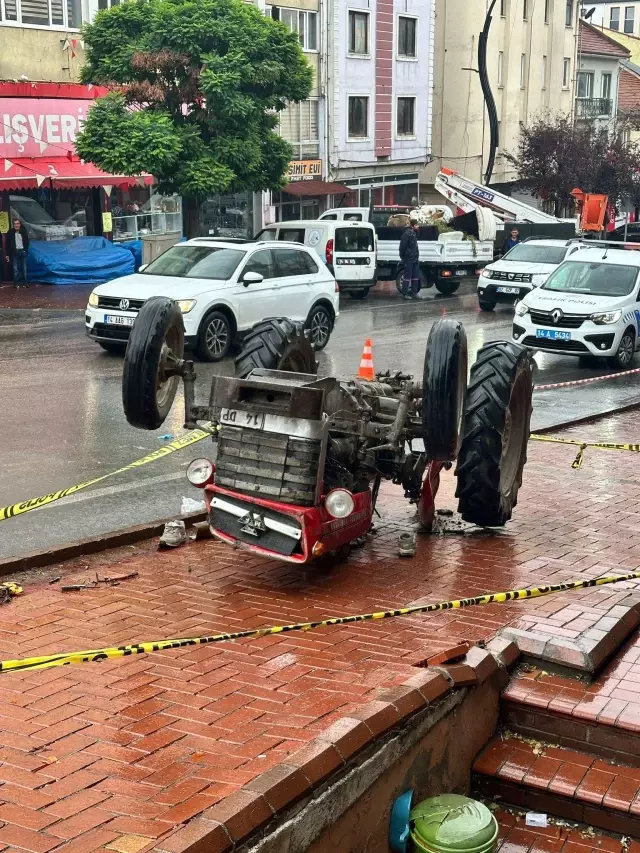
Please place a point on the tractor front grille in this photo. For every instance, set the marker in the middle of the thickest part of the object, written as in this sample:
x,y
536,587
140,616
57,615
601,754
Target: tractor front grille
x,y
269,465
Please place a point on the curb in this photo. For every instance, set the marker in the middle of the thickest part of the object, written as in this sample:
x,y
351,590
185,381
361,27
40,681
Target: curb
x,y
587,419
93,545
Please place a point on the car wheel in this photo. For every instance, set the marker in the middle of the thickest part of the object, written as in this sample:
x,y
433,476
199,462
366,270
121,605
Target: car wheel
x,y
626,351
215,337
486,306
319,324
359,294
114,348
447,287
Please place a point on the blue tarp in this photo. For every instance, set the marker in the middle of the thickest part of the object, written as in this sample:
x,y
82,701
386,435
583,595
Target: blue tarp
x,y
84,260
135,247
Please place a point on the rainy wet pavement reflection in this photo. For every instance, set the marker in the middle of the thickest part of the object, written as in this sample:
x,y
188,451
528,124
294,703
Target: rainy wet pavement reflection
x,y
62,422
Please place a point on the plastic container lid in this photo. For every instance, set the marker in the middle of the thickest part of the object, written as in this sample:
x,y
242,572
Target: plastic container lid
x,y
451,823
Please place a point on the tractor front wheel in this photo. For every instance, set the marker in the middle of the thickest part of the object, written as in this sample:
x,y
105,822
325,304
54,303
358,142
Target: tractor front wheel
x,y
444,390
493,452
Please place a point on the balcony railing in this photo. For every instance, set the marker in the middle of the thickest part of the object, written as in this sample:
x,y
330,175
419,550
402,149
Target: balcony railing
x,y
593,107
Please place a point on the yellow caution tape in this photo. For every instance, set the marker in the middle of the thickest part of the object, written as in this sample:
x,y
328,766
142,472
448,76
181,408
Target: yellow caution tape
x,y
173,446
582,445
95,655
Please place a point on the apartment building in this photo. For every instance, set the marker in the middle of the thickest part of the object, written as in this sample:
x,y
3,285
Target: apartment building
x,y
623,17
532,53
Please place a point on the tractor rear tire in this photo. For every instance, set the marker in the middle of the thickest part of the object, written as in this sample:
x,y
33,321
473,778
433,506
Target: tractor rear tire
x,y
444,390
276,344
147,396
496,433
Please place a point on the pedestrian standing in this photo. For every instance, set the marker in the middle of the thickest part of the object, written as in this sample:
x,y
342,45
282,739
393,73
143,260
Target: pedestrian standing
x,y
17,247
410,257
512,240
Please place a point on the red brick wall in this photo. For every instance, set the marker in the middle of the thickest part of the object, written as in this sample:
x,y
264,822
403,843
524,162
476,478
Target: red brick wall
x,y
384,77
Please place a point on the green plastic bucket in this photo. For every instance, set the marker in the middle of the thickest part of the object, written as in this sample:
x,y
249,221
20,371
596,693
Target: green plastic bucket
x,y
451,823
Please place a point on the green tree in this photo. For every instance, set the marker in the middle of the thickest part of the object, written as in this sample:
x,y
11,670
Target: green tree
x,y
554,156
196,91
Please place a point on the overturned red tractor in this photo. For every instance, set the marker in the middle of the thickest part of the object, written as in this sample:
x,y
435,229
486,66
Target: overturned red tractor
x,y
300,459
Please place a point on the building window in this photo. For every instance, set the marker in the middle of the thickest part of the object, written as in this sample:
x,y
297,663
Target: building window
x,y
107,4
566,72
406,117
500,69
305,24
503,8
358,117
523,70
544,72
628,19
547,9
584,84
65,14
569,13
407,37
606,86
359,33
525,10
299,126
614,18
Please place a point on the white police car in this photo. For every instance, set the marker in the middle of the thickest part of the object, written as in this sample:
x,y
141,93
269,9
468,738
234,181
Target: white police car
x,y
590,306
529,264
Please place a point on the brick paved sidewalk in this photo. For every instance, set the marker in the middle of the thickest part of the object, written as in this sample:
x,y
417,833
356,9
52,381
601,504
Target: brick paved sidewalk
x,y
93,755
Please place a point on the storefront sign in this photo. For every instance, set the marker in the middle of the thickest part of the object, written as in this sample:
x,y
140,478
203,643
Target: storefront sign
x,y
4,222
38,127
305,170
107,222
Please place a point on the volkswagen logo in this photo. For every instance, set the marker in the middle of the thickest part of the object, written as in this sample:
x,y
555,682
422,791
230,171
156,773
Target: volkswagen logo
x,y
556,315
124,305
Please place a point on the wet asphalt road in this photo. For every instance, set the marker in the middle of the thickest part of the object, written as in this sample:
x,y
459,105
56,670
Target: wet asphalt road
x,y
61,418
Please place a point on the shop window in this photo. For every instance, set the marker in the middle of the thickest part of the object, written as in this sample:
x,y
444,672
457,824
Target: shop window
x,y
359,33
299,126
406,118
358,117
229,215
136,213
43,13
407,37
305,24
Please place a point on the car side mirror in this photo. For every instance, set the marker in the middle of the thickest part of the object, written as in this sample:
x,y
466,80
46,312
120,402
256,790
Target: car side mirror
x,y
142,267
252,278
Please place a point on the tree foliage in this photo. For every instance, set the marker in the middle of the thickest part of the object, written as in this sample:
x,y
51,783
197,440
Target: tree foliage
x,y
554,156
197,85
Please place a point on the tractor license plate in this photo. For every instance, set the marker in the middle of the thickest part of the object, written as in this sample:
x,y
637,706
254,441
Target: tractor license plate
x,y
512,290
233,417
114,320
553,335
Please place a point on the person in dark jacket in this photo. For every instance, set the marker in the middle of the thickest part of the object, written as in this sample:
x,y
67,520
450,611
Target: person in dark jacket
x,y
511,241
17,248
410,255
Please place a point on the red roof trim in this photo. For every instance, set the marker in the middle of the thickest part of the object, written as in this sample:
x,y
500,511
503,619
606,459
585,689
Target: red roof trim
x,y
70,91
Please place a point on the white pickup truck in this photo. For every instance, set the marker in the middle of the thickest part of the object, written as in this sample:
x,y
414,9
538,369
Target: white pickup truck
x,y
445,259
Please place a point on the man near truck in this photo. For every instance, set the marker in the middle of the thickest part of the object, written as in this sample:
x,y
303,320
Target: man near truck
x,y
410,257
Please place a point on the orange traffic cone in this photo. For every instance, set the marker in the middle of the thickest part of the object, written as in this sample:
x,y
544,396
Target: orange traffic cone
x,y
366,370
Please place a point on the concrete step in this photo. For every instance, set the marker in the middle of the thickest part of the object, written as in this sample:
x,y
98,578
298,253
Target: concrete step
x,y
567,783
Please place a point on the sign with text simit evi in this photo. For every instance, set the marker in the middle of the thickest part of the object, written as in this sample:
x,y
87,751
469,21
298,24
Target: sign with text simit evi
x,y
39,127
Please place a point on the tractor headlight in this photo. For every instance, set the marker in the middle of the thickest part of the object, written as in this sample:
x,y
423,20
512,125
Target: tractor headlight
x,y
186,305
93,299
200,472
339,503
607,318
521,309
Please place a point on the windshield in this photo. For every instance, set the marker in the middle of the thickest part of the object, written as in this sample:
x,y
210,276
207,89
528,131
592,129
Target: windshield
x,y
215,262
31,211
536,254
593,278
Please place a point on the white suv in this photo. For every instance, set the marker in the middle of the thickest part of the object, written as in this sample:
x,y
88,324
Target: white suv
x,y
529,264
223,289
590,306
